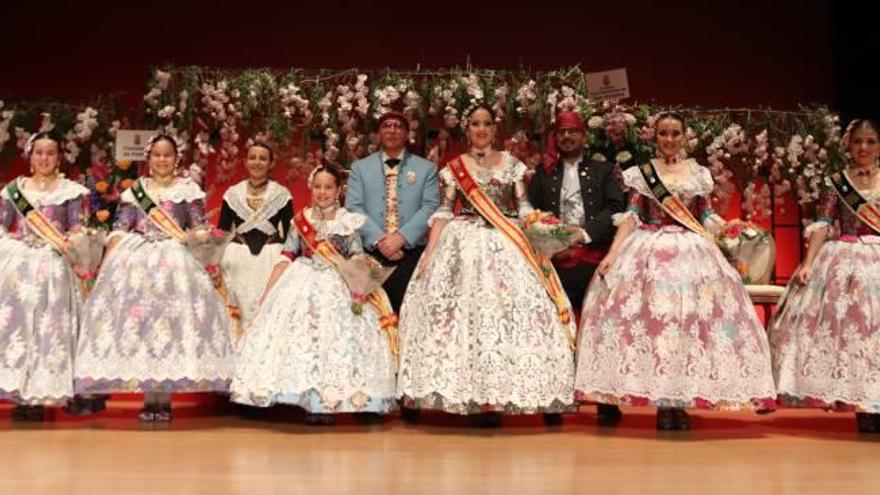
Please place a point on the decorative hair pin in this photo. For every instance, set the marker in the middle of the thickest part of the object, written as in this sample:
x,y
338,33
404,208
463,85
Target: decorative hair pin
x,y
178,144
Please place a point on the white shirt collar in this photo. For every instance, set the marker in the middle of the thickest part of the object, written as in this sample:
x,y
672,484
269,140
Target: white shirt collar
x,y
385,156
576,161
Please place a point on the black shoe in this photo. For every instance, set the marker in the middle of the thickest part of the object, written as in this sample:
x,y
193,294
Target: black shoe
x,y
666,419
368,418
319,419
608,414
98,403
867,422
486,420
23,412
410,415
682,419
28,413
552,419
84,406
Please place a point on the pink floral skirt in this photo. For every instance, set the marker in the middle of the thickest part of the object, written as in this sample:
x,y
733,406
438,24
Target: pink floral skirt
x,y
826,335
671,325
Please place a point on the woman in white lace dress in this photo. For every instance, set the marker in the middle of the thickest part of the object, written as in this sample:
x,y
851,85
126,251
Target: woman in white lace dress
x,y
40,297
479,333
307,346
666,320
258,210
826,335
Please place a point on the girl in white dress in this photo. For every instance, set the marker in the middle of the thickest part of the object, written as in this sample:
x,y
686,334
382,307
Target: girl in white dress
x,y
306,346
40,297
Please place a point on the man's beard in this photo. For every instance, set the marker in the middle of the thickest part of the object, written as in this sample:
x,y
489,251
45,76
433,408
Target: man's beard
x,y
574,153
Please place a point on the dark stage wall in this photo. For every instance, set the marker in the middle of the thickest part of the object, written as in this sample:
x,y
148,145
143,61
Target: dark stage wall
x,y
712,54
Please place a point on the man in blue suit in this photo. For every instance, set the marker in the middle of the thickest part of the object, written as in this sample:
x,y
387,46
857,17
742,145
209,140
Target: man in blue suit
x,y
398,192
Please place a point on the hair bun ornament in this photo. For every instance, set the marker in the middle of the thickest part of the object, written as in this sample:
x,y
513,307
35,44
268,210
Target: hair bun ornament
x,y
847,134
178,144
29,144
476,103
313,173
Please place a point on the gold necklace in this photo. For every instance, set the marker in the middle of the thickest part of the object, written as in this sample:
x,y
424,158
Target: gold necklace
x,y
255,202
254,197
43,182
165,181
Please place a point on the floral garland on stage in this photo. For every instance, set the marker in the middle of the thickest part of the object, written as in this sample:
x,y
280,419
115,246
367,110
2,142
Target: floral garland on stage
x,y
320,115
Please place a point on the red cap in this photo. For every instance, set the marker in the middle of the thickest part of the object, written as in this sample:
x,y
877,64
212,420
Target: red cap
x,y
565,119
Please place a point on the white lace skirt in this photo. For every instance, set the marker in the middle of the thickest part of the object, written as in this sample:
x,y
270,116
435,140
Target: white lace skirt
x,y
40,304
247,275
153,323
479,332
306,347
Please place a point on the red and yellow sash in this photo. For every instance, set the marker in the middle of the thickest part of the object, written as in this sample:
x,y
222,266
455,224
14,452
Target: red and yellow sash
x,y
160,218
542,268
378,299
671,204
866,212
34,218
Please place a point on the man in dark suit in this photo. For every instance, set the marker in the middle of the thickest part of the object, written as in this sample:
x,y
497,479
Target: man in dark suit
x,y
584,194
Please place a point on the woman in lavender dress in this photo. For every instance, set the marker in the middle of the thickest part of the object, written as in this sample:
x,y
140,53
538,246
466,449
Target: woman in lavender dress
x,y
40,298
153,323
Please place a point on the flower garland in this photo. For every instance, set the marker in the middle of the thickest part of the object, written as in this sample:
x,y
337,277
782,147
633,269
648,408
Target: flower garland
x,y
318,115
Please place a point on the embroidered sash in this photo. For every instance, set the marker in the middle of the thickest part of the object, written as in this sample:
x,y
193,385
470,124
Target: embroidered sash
x,y
866,212
34,218
160,218
543,268
670,203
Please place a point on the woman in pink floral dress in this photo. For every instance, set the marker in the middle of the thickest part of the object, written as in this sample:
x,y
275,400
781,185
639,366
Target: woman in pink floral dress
x,y
666,320
826,335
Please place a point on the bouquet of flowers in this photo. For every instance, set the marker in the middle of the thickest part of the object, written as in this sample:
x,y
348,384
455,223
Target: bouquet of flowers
x,y
85,249
749,248
207,246
362,274
547,233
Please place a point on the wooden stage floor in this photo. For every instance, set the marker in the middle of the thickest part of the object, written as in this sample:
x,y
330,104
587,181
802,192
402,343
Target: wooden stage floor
x,y
209,449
